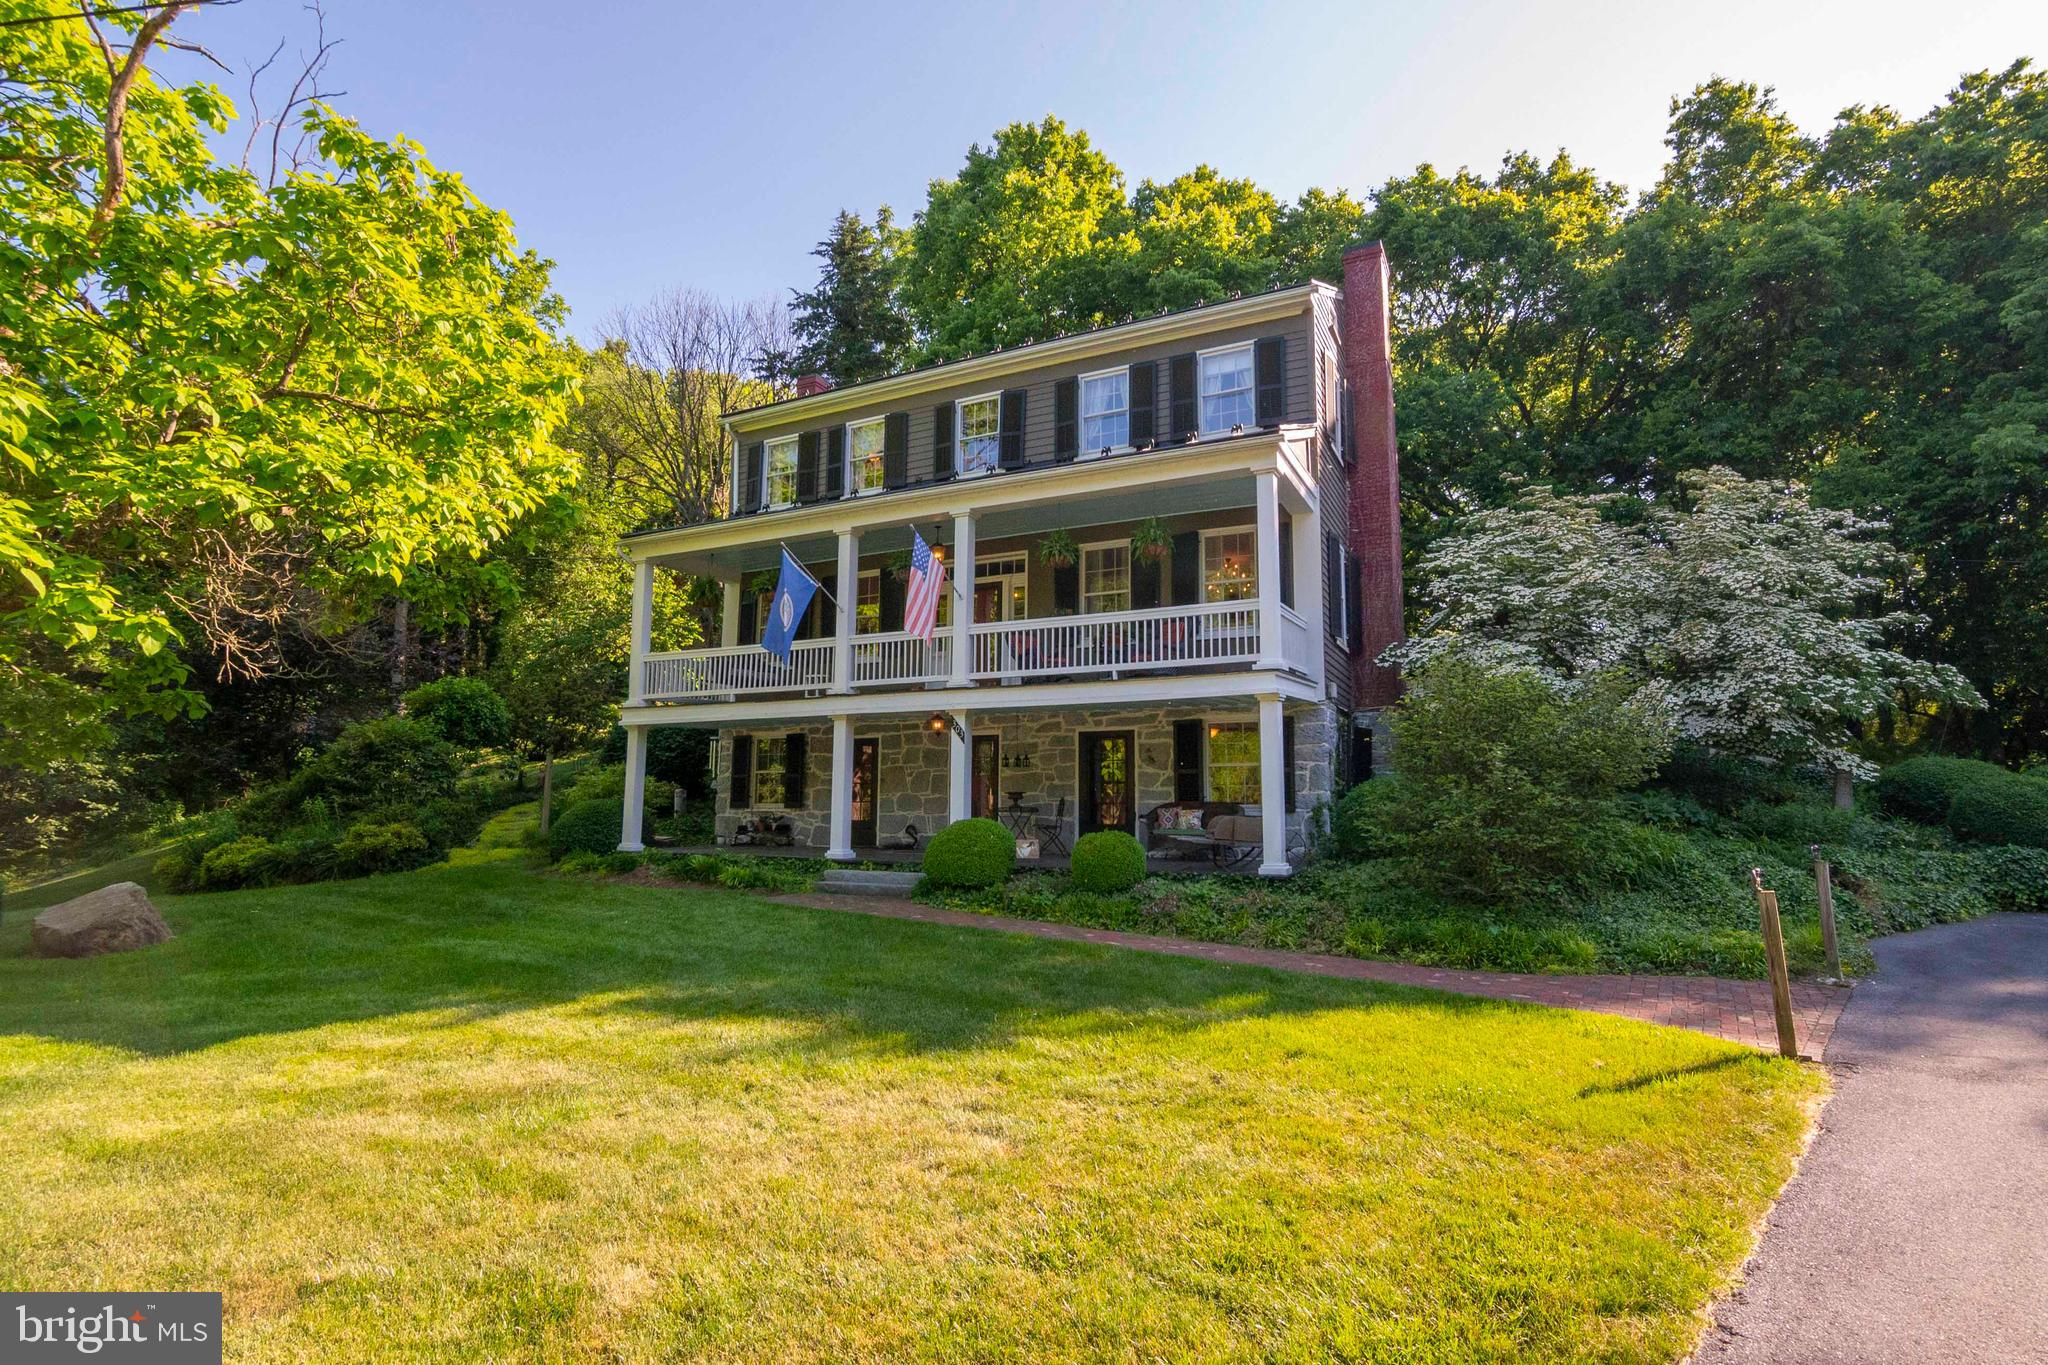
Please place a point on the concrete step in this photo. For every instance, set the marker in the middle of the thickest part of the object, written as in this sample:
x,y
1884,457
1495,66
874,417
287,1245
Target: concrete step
x,y
847,881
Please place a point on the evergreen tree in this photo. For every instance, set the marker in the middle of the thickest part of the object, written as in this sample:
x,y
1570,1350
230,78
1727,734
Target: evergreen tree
x,y
849,328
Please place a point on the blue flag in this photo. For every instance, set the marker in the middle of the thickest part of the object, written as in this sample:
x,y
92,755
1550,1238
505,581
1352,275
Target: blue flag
x,y
793,594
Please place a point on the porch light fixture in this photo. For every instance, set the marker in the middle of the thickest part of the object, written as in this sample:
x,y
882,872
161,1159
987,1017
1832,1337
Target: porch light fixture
x,y
942,721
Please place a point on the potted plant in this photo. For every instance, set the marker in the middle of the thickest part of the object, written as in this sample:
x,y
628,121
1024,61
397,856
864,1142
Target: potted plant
x,y
899,565
1150,539
1056,550
764,581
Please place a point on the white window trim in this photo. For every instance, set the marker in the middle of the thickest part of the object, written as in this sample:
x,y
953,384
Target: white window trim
x,y
1081,568
768,471
858,579
1258,761
852,485
1019,557
1081,415
1201,355
1202,548
754,801
960,470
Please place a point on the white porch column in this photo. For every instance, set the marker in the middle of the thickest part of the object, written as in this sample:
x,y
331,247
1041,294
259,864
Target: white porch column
x,y
643,628
1272,789
841,849
729,616
961,574
1308,588
960,806
636,788
847,590
1269,570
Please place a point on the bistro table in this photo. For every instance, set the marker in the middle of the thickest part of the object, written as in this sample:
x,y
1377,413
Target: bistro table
x,y
1018,817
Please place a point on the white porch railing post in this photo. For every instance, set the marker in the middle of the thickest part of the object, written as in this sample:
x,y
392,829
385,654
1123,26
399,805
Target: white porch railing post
x,y
636,788
1308,589
729,617
1272,789
961,587
642,630
841,849
1268,537
960,805
847,590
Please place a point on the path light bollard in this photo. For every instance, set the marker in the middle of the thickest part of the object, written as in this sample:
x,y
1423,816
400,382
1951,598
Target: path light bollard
x,y
1824,887
1774,957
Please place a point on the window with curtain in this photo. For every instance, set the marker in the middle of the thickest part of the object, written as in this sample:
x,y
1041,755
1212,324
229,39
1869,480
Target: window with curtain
x,y
981,422
1105,411
1226,388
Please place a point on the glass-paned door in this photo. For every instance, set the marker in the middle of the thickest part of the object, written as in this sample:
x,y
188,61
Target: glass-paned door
x,y
1108,786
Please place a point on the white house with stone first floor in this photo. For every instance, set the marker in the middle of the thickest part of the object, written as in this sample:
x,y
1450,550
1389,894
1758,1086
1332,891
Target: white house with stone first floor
x,y
1185,561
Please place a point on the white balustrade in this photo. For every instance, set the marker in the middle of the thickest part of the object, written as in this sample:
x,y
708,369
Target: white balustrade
x,y
900,657
1296,640
741,668
1118,641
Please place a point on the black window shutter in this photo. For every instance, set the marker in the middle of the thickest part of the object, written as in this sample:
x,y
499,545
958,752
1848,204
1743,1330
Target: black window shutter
x,y
1066,589
896,450
1066,419
1333,585
835,462
739,793
825,614
1187,568
1287,758
1010,430
1144,402
795,772
1145,583
1187,760
807,466
1183,417
1355,625
942,441
750,614
749,499
1346,423
892,600
1269,375
1286,559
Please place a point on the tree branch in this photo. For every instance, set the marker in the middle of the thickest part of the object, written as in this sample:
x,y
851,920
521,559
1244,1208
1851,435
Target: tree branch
x,y
116,182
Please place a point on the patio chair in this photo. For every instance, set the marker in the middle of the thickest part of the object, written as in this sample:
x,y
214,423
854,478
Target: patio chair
x,y
1052,836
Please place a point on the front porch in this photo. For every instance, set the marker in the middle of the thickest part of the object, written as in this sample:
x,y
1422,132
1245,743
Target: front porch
x,y
1156,864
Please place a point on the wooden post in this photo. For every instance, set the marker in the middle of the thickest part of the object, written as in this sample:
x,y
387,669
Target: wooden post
x,y
1774,957
1824,887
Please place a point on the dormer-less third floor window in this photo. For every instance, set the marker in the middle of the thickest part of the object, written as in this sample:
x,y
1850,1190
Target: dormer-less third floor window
x,y
864,441
1105,411
1226,388
981,426
779,473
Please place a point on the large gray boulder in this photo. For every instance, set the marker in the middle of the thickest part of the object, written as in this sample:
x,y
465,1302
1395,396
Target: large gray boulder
x,y
113,919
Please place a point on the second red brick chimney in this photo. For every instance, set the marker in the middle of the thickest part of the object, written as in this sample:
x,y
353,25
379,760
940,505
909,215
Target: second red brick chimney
x,y
809,385
1375,512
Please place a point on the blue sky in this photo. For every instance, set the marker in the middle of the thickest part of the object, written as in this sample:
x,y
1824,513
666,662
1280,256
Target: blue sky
x,y
645,146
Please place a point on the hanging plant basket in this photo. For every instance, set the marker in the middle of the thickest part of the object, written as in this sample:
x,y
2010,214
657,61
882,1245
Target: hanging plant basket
x,y
763,581
1151,540
899,565
1056,550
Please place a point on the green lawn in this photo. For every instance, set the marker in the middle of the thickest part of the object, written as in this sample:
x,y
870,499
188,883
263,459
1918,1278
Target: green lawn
x,y
481,1112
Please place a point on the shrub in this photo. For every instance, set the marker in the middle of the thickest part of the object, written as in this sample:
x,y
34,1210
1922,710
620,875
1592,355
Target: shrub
x,y
608,783
371,847
1723,782
2013,810
587,827
448,823
463,711
676,754
247,861
1922,789
1358,824
1108,860
395,761
970,853
2014,878
1799,822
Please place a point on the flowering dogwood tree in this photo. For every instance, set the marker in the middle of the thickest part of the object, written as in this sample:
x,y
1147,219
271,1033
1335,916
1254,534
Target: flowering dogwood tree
x,y
1741,609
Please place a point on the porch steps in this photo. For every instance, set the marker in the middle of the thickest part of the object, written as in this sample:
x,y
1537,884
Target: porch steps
x,y
847,881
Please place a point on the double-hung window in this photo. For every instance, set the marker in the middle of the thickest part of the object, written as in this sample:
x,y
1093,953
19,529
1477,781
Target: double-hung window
x,y
1230,565
981,424
779,473
1226,387
1106,577
1234,762
1105,411
867,603
771,766
864,456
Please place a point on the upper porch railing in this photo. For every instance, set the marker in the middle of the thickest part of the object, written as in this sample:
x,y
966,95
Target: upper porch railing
x,y
1118,641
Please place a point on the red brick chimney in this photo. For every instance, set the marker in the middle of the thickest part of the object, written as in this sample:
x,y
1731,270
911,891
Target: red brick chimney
x,y
810,385
1375,513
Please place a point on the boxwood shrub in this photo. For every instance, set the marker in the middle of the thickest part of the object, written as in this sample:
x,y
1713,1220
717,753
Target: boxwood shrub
x,y
380,846
1922,789
1108,860
587,827
970,853
2013,810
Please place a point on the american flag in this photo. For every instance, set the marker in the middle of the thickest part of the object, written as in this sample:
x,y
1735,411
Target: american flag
x,y
927,585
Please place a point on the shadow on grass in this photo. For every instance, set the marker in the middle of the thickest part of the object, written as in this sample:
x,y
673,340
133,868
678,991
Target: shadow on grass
x,y
496,937
1671,1073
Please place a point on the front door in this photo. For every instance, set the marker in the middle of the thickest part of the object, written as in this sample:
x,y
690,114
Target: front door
x,y
1107,784
988,763
866,771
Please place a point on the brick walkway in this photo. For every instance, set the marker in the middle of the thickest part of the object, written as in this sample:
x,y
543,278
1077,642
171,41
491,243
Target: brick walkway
x,y
1739,1011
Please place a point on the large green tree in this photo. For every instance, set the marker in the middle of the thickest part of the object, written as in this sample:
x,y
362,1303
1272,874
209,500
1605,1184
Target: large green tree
x,y
231,402
848,328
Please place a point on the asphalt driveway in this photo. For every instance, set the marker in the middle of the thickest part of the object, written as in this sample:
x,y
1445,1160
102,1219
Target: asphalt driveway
x,y
1917,1229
